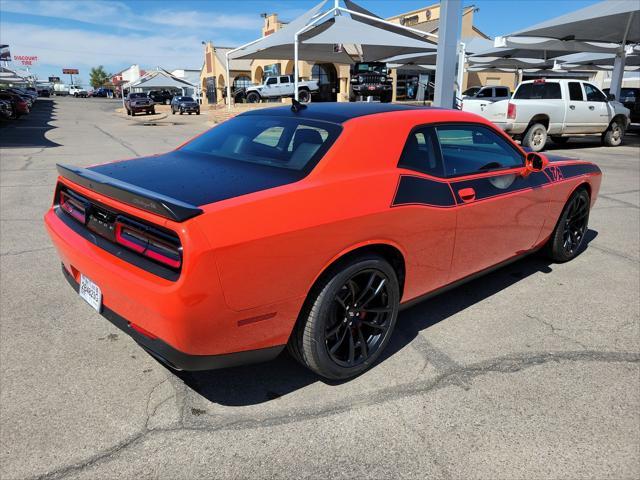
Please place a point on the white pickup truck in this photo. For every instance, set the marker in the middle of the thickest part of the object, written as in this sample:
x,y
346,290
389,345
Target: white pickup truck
x,y
559,108
281,86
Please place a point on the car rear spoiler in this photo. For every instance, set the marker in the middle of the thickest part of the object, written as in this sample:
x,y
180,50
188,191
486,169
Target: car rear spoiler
x,y
130,194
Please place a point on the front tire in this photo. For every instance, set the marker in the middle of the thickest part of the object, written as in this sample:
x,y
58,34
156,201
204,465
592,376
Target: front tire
x,y
253,97
535,138
347,319
614,134
568,236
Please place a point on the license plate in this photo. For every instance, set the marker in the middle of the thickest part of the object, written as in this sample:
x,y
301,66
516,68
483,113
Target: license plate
x,y
90,292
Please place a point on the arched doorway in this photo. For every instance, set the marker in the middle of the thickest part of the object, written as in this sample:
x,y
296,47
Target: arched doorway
x,y
327,77
288,70
257,75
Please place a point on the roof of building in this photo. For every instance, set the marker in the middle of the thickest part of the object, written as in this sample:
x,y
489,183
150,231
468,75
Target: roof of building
x,y
238,65
335,112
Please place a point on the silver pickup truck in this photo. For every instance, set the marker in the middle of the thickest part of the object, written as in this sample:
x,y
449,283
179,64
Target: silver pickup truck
x,y
560,109
281,86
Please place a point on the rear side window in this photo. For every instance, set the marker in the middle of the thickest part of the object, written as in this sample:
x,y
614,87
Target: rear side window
x,y
487,92
284,79
420,153
538,91
502,92
290,143
468,149
593,94
575,91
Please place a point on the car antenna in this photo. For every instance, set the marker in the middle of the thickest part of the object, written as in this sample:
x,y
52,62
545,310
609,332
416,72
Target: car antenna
x,y
296,106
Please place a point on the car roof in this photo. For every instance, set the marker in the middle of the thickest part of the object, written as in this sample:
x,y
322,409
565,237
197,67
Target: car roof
x,y
335,112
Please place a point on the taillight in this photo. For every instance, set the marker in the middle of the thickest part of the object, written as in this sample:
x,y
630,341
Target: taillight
x,y
148,241
511,111
73,206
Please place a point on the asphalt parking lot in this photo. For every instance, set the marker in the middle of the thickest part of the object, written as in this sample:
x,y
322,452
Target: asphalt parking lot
x,y
530,372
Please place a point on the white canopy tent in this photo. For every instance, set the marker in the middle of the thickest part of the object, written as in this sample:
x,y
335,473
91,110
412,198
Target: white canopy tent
x,y
337,35
611,21
10,77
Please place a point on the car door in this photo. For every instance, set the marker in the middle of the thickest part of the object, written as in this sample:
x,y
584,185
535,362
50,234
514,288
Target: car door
x,y
423,211
598,109
271,87
286,87
500,211
576,117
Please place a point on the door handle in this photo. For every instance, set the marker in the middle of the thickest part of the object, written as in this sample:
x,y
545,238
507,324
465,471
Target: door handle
x,y
572,107
467,194
591,107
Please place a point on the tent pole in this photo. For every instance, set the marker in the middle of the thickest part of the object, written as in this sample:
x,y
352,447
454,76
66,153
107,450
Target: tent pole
x,y
618,64
461,65
228,84
449,37
295,66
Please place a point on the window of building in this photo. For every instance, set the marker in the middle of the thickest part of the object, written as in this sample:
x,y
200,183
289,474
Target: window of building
x,y
408,21
575,91
468,149
241,81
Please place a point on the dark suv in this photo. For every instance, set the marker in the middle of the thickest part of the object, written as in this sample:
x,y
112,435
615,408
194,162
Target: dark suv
x,y
371,79
184,104
138,102
162,97
630,98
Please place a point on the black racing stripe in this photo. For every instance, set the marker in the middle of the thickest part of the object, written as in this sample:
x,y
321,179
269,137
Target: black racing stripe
x,y
422,191
488,187
576,170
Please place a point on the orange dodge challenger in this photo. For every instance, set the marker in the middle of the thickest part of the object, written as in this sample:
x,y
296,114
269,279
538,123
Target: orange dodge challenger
x,y
308,227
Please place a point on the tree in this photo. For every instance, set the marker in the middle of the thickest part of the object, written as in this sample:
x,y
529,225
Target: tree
x,y
98,77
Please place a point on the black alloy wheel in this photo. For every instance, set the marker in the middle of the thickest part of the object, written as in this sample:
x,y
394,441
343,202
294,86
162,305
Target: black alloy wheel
x,y
568,236
360,317
348,318
575,224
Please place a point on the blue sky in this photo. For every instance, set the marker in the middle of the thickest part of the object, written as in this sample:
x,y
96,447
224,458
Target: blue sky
x,y
85,33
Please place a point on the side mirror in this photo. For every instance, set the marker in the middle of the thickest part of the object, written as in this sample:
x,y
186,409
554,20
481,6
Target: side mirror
x,y
535,162
611,97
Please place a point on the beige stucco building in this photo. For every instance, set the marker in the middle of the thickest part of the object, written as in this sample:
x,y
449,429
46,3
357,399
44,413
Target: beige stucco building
x,y
334,77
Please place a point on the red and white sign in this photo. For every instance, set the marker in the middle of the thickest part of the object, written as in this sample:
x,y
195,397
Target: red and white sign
x,y
26,60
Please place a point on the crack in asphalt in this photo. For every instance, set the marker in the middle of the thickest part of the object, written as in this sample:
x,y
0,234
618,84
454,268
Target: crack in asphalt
x,y
501,365
117,140
554,331
628,204
21,252
615,253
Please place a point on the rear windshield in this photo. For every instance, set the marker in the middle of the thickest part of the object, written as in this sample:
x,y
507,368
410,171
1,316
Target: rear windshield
x,y
186,99
290,143
538,91
137,95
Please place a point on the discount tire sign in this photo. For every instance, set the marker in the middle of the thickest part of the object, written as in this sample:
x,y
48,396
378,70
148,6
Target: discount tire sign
x,y
26,60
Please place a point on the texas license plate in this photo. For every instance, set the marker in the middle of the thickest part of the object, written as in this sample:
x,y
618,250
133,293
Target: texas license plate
x,y
90,292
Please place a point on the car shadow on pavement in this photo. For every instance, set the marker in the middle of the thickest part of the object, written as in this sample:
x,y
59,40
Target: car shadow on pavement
x,y
255,384
30,130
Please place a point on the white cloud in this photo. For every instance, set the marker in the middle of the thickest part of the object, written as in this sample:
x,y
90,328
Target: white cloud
x,y
119,14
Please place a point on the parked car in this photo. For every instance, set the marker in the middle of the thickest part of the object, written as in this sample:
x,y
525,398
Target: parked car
x,y
77,91
6,109
279,87
162,97
60,90
139,102
30,97
310,227
371,79
630,98
483,97
102,92
44,92
19,104
559,108
184,105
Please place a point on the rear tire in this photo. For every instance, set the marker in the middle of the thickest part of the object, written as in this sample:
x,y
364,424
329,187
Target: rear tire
x,y
535,138
614,134
568,236
332,328
304,96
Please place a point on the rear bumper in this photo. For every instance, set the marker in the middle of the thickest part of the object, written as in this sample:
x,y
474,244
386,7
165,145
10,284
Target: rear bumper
x,y
176,359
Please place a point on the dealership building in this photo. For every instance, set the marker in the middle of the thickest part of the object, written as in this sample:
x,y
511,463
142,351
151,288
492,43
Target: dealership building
x,y
333,78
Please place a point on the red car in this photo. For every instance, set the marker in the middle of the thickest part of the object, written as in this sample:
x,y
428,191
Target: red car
x,y
308,227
